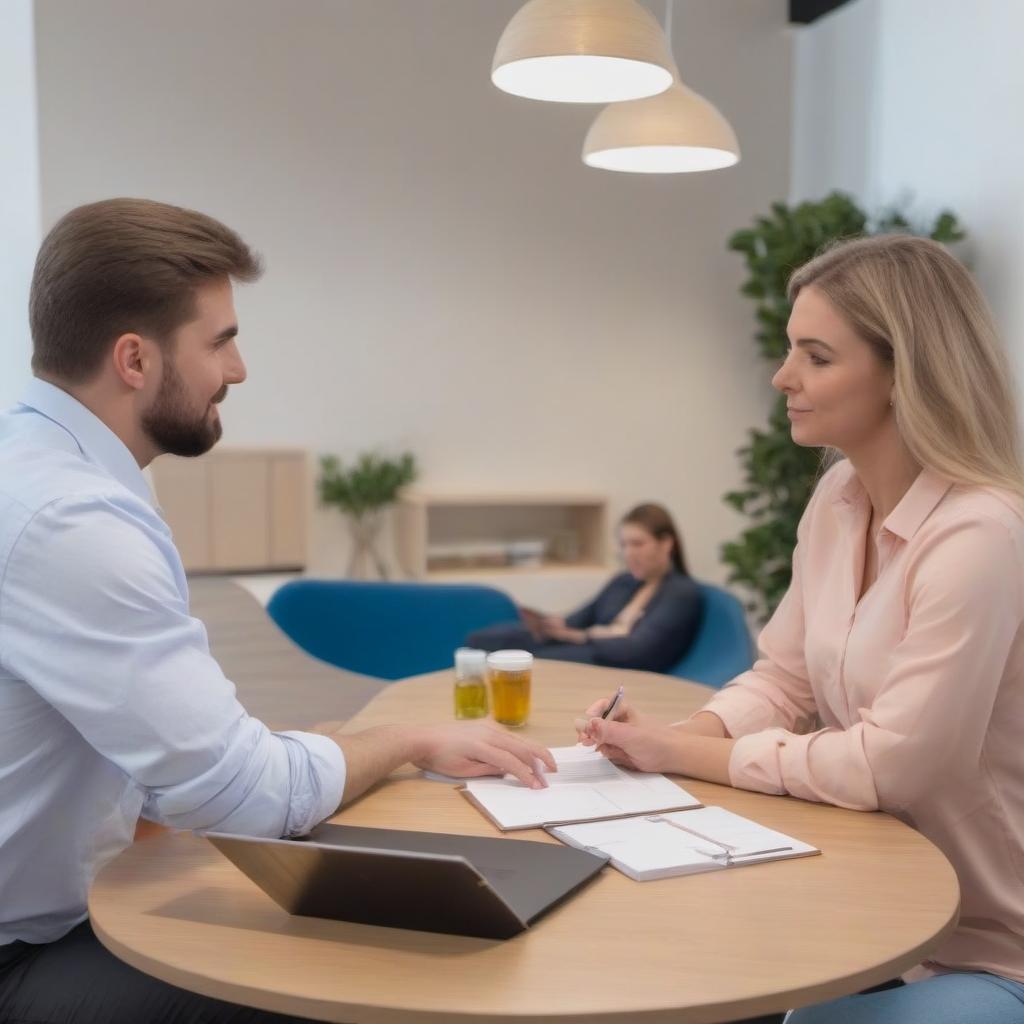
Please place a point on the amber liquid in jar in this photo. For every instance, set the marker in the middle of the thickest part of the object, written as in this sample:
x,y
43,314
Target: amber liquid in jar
x,y
510,695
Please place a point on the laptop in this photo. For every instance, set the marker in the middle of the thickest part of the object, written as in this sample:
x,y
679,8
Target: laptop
x,y
429,881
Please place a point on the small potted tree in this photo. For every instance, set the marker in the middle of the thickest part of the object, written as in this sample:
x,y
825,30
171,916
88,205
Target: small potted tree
x,y
361,493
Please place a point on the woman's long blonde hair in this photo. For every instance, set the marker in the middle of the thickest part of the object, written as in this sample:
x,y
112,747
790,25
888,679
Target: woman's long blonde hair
x,y
923,313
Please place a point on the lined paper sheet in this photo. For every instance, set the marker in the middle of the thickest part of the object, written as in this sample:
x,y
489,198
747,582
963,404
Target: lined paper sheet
x,y
587,786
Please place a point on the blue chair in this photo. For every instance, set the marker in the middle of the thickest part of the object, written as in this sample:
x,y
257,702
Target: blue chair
x,y
387,630
721,647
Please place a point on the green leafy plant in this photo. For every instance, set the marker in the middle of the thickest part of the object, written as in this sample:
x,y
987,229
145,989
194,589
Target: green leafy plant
x,y
362,492
778,474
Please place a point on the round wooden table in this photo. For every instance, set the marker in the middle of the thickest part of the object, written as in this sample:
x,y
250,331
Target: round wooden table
x,y
698,949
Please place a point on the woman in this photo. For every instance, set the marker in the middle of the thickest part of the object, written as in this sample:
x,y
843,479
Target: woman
x,y
643,618
891,676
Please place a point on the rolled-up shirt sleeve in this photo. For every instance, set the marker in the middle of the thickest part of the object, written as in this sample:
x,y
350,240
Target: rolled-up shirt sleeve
x,y
95,620
932,710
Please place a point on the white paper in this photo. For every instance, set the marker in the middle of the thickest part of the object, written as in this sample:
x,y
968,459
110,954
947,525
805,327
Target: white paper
x,y
650,846
586,786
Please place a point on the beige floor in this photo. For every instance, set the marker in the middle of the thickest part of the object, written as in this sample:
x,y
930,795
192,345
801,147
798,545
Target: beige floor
x,y
276,680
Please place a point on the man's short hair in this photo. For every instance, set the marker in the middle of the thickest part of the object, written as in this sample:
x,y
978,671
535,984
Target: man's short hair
x,y
123,266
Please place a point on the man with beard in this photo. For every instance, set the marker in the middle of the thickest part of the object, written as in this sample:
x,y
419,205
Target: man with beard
x,y
111,705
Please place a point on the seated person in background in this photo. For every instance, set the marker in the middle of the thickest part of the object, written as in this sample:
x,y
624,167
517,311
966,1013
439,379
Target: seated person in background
x,y
644,618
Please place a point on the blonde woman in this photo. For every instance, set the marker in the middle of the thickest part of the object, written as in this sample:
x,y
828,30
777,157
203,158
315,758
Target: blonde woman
x,y
891,676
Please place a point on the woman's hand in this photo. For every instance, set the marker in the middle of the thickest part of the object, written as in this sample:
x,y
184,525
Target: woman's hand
x,y
650,747
645,747
551,624
623,713
606,632
556,629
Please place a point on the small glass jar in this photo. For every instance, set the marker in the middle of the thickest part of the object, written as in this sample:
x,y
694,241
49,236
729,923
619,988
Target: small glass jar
x,y
510,673
470,683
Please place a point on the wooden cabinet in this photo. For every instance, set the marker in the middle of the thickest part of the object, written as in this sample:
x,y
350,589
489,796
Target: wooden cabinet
x,y
441,534
236,510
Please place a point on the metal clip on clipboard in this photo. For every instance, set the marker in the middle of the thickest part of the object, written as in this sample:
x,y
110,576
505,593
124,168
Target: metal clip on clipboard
x,y
725,854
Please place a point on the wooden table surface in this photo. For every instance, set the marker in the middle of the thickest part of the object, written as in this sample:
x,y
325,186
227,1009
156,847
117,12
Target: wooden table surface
x,y
691,950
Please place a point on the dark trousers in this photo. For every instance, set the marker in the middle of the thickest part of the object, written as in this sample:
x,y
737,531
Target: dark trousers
x,y
75,980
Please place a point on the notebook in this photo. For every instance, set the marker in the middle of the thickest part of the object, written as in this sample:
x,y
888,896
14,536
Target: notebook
x,y
586,787
461,885
682,843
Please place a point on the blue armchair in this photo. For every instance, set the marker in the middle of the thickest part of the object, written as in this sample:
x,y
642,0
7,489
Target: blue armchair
x,y
721,648
382,629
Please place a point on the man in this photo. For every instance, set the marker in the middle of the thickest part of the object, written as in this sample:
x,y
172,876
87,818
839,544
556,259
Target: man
x,y
111,705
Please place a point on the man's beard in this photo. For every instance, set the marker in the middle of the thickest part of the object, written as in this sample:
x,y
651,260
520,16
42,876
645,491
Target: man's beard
x,y
172,426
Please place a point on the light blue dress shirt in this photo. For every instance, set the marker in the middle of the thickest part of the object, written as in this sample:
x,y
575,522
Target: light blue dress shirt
x,y
110,702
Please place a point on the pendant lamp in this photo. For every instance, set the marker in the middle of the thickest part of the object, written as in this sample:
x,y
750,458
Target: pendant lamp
x,y
675,131
678,130
582,51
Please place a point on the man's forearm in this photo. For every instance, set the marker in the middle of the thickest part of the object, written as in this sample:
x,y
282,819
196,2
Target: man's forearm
x,y
372,754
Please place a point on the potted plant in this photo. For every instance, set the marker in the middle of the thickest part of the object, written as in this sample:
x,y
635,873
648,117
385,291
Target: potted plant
x,y
362,492
778,474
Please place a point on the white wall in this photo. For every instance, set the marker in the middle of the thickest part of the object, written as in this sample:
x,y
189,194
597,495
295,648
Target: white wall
x,y
834,88
443,272
19,193
921,99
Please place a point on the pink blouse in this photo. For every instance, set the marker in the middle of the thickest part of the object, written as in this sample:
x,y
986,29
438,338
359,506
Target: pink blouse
x,y
910,700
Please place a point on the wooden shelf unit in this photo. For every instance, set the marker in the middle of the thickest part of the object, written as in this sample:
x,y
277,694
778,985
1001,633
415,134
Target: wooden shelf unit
x,y
237,509
573,527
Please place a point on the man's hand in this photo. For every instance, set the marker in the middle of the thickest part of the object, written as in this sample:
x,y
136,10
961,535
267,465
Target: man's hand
x,y
467,749
478,748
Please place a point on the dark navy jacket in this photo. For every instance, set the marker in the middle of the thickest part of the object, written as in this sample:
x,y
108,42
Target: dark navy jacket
x,y
660,636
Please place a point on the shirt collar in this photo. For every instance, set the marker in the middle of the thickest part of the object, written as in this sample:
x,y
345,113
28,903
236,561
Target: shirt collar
x,y
923,495
97,442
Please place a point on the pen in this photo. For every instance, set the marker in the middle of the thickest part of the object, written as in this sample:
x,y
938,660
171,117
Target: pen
x,y
616,701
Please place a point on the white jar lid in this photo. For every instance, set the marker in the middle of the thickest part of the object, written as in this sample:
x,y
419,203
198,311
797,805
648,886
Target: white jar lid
x,y
470,660
510,661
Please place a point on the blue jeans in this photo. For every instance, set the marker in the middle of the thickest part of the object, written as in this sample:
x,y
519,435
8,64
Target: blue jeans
x,y
961,998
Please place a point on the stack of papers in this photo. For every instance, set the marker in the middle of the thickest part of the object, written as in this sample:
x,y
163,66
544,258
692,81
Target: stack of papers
x,y
649,827
682,843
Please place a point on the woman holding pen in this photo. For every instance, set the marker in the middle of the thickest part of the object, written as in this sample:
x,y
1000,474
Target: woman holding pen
x,y
643,618
891,676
